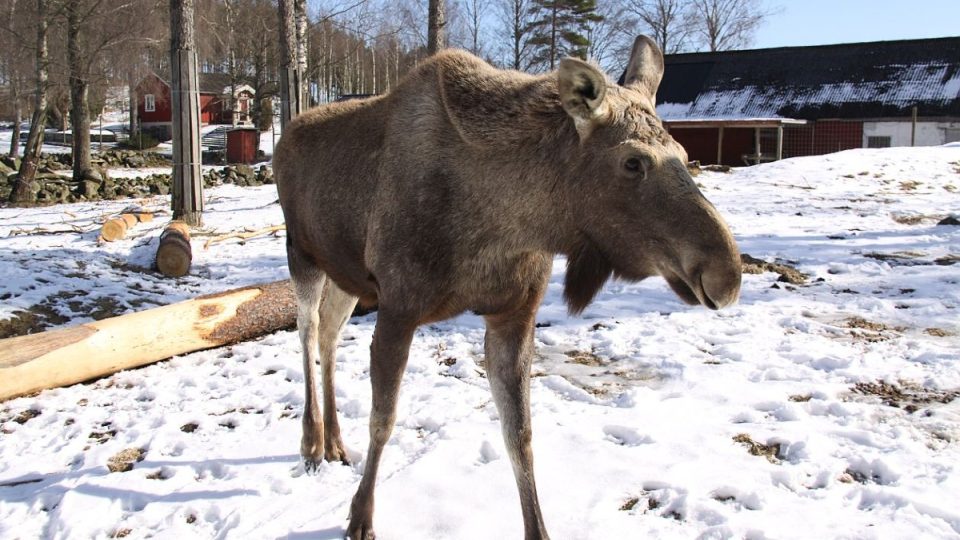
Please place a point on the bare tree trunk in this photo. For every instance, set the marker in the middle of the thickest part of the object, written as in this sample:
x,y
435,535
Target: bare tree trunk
x,y
31,155
300,13
185,98
134,105
229,8
79,110
17,118
291,94
14,80
373,69
436,24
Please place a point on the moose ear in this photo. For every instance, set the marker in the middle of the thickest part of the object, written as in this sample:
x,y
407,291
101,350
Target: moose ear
x,y
582,88
645,68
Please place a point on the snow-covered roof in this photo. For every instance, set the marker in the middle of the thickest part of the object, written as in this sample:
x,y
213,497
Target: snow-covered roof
x,y
855,80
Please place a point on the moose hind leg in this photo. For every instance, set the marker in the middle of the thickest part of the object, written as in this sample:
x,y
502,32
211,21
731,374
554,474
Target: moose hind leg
x,y
308,285
335,309
508,349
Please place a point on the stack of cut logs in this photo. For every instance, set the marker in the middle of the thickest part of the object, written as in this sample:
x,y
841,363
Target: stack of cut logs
x,y
116,228
174,255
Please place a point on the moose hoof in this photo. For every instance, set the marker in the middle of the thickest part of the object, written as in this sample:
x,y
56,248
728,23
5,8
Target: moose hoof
x,y
311,466
336,453
360,532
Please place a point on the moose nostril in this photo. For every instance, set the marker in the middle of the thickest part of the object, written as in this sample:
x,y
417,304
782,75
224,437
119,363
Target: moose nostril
x,y
721,286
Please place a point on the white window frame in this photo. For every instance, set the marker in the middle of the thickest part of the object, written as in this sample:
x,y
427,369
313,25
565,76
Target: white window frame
x,y
149,103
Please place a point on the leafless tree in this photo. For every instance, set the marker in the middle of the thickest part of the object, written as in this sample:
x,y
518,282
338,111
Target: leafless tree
x,y
31,155
513,17
291,74
93,27
611,36
727,24
669,22
436,26
13,67
474,15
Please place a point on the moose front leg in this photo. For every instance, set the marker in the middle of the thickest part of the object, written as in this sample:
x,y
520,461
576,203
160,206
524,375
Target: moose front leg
x,y
388,357
509,352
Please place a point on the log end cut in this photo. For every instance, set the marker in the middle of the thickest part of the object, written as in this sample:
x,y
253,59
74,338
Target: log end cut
x,y
116,229
174,255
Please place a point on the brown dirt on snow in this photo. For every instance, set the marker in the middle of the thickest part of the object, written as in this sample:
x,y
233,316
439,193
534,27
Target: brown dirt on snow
x,y
905,395
788,274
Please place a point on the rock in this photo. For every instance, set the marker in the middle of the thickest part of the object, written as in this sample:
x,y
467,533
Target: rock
x,y
245,171
10,162
134,161
949,220
265,175
29,194
89,188
92,175
5,169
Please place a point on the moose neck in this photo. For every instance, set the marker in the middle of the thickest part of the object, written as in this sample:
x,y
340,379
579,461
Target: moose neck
x,y
526,150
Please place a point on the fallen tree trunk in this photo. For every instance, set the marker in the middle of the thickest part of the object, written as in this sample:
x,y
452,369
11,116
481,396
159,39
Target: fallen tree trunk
x,y
79,353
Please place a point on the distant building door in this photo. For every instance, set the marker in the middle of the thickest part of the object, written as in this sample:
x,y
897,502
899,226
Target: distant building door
x,y
878,141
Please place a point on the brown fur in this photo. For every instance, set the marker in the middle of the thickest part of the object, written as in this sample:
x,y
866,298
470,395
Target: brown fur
x,y
453,192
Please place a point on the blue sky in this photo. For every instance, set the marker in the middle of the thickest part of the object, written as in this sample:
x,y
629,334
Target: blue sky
x,y
819,22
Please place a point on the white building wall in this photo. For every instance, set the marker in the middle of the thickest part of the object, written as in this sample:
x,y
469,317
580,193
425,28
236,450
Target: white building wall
x,y
928,133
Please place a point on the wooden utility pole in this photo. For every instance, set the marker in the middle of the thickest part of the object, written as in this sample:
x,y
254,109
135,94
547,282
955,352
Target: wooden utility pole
x,y
291,76
913,126
185,98
436,24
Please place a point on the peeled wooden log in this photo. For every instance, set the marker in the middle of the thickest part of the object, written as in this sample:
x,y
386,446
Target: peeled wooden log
x,y
174,255
116,228
79,353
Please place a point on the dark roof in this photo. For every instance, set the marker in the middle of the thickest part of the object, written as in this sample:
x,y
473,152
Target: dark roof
x,y
854,80
209,83
214,83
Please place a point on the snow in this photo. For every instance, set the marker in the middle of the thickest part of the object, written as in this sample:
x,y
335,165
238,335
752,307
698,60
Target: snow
x,y
636,404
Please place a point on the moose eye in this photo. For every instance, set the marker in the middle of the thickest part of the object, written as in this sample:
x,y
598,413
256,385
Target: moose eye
x,y
633,165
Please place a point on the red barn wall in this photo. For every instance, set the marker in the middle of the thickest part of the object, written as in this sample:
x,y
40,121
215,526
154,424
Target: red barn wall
x,y
701,144
812,139
822,137
209,108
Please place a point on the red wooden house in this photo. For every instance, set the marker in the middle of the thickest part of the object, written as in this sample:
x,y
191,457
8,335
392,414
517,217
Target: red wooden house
x,y
217,105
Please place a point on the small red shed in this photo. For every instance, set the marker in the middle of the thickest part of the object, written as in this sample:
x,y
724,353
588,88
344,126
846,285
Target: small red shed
x,y
242,145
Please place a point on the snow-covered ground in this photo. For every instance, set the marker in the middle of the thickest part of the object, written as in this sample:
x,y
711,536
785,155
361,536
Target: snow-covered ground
x,y
636,405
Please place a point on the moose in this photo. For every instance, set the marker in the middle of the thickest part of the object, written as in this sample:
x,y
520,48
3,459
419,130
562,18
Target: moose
x,y
453,192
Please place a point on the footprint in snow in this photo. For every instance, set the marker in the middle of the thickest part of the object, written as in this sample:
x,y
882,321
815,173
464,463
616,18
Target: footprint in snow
x,y
625,436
